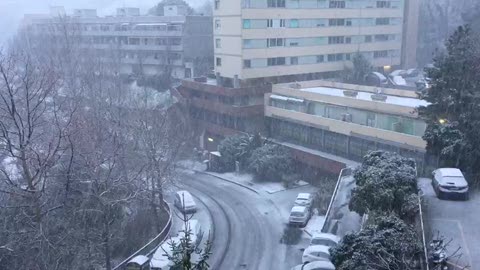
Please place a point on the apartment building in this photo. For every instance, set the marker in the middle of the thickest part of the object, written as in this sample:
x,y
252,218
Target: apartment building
x,y
345,120
280,38
176,43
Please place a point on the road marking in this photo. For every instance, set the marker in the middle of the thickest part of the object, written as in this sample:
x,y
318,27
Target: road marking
x,y
464,246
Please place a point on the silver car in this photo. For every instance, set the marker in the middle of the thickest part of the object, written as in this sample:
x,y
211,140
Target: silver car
x,y
299,216
450,183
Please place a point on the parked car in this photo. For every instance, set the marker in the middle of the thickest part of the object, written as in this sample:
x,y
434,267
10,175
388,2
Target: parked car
x,y
160,260
413,72
450,183
139,262
184,202
299,216
376,79
316,253
304,199
318,265
324,239
196,233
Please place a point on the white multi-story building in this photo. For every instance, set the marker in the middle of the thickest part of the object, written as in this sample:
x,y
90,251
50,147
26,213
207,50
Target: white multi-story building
x,y
275,38
146,44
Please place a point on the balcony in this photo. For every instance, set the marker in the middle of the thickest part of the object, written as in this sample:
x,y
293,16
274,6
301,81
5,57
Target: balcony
x,y
239,111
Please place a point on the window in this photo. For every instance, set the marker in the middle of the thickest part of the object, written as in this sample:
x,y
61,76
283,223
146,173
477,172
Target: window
x,y
348,40
294,60
269,23
217,4
337,4
382,21
380,38
276,3
383,4
331,58
380,54
277,61
246,24
247,63
275,42
282,23
219,62
217,24
348,56
320,58
339,57
368,39
348,22
336,40
336,22
218,43
293,23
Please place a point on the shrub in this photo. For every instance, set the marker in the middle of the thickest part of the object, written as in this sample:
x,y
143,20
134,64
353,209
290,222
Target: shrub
x,y
271,163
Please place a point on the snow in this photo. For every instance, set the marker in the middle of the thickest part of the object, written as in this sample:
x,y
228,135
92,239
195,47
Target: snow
x,y
398,80
394,100
140,260
450,172
11,168
315,225
284,98
304,196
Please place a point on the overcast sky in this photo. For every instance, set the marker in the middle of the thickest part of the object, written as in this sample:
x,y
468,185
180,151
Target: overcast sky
x,y
11,11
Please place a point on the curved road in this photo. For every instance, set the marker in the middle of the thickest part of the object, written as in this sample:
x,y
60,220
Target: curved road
x,y
246,226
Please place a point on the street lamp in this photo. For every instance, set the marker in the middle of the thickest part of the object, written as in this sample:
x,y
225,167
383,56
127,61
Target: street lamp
x,y
442,121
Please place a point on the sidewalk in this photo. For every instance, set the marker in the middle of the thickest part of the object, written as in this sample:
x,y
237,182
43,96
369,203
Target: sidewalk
x,y
244,180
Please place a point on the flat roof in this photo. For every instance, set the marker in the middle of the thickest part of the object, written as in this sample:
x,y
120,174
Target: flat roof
x,y
395,100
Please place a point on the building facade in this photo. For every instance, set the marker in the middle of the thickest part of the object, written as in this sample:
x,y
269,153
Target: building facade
x,y
179,44
346,120
277,38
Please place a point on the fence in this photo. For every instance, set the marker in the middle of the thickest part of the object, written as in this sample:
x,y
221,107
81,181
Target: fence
x,y
328,218
151,246
424,258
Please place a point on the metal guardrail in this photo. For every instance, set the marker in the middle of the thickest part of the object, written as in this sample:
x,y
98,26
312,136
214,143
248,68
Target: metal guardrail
x,y
151,246
326,224
422,227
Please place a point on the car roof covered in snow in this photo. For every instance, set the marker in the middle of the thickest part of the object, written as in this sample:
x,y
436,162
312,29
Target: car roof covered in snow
x,y
318,248
329,236
450,172
303,196
140,260
298,209
320,264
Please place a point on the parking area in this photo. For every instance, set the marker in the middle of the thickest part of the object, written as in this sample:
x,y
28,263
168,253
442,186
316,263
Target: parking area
x,y
457,221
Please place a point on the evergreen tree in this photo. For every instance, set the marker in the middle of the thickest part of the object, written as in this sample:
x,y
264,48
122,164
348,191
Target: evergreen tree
x,y
453,116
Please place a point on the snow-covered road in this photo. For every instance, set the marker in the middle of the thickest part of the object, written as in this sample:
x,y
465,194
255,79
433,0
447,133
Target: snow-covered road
x,y
247,227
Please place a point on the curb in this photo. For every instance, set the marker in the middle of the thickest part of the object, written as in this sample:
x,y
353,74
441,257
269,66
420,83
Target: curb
x,y
227,180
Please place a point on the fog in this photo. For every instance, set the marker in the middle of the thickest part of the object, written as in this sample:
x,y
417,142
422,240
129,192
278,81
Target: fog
x,y
11,11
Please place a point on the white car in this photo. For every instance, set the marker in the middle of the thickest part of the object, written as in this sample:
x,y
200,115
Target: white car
x,y
304,199
299,216
316,253
324,239
184,202
160,260
196,233
450,182
318,265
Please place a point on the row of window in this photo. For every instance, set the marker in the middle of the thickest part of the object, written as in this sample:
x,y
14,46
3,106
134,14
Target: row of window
x,y
350,147
383,121
131,41
312,59
312,41
313,23
111,27
318,4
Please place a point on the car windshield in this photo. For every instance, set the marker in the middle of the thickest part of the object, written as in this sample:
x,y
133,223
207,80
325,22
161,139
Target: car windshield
x,y
324,242
297,214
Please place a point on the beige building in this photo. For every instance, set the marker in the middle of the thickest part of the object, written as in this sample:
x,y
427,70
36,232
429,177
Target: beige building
x,y
346,120
275,38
